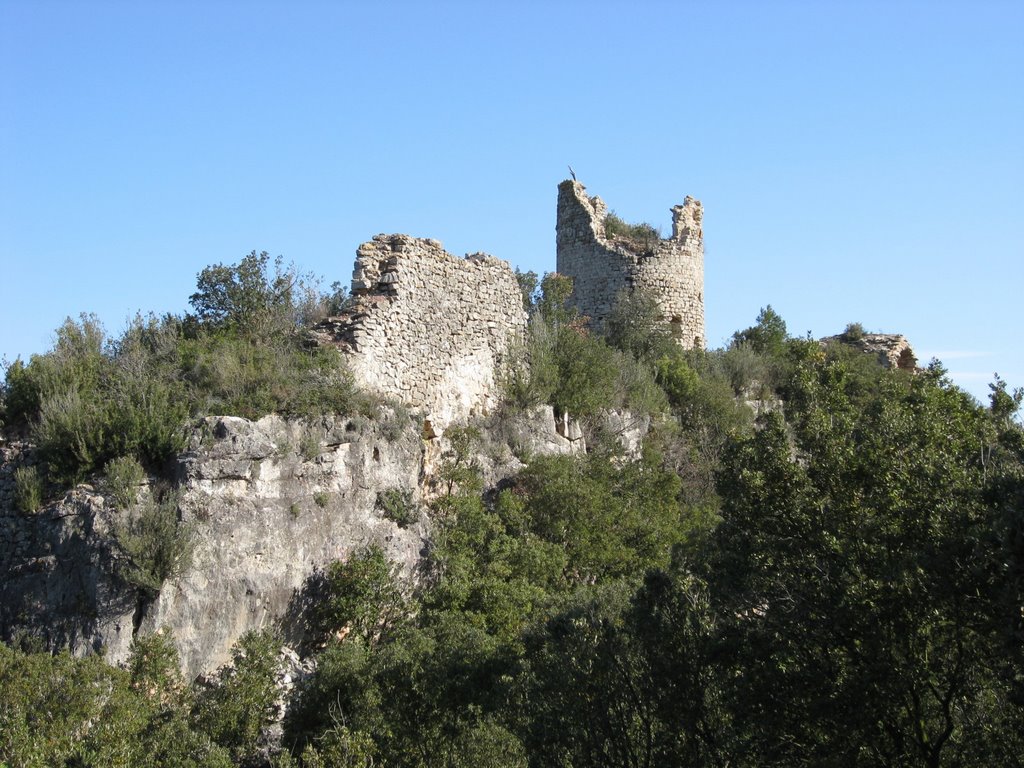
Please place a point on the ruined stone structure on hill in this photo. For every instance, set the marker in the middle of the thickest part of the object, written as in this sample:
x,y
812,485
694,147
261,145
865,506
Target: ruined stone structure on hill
x,y
604,266
891,349
427,328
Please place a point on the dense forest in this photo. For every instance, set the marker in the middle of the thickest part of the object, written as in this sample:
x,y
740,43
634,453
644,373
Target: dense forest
x,y
812,560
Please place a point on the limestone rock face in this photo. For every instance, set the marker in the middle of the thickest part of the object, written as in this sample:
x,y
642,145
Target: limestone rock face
x,y
670,271
268,502
427,328
271,501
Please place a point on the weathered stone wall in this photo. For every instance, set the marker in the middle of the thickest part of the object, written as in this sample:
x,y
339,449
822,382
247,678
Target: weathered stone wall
x,y
428,328
670,271
891,349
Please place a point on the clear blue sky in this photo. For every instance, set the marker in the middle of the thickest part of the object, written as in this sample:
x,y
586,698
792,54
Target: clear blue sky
x,y
857,161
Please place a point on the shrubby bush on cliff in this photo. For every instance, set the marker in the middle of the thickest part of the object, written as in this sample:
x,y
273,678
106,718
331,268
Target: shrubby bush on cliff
x,y
564,364
93,398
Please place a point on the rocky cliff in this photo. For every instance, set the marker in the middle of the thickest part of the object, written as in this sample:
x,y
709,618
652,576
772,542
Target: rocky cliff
x,y
267,502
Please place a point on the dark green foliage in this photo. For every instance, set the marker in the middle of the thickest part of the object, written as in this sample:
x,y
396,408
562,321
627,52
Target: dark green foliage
x,y
124,476
28,489
587,376
397,506
360,596
237,706
489,566
156,544
641,236
860,580
58,710
611,521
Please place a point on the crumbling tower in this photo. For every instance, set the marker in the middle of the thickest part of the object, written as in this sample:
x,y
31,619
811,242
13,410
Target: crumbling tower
x,y
670,271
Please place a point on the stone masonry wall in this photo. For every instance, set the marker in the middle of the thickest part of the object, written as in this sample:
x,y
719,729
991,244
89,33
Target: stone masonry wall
x,y
670,271
428,328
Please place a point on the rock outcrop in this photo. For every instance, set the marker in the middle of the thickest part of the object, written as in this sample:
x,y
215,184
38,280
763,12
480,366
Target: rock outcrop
x,y
892,349
268,503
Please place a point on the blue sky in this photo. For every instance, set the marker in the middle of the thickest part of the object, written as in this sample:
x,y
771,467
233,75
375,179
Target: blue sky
x,y
857,161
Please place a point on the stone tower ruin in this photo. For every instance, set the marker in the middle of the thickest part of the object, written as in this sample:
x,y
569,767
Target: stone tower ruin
x,y
605,267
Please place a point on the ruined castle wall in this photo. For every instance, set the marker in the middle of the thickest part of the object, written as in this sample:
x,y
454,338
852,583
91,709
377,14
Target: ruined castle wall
x,y
670,271
428,328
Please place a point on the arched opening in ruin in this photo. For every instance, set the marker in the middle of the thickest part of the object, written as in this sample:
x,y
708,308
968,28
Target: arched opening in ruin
x,y
676,324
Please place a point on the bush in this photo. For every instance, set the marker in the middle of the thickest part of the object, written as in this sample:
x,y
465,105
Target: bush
x,y
636,326
531,372
642,235
158,546
235,709
309,446
360,597
124,476
853,332
587,375
233,376
396,505
28,489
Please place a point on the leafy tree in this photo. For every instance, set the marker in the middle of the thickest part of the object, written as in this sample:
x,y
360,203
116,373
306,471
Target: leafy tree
x,y
859,580
234,710
245,297
360,597
767,336
636,327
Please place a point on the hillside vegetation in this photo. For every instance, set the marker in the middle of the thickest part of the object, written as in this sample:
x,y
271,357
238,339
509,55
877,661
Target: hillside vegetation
x,y
837,581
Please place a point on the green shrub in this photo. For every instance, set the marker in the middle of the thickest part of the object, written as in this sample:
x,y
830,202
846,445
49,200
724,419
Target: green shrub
x,y
321,499
747,368
396,505
237,706
587,375
531,372
360,596
234,376
853,332
309,446
124,476
768,335
28,489
396,419
637,327
638,389
642,235
157,545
